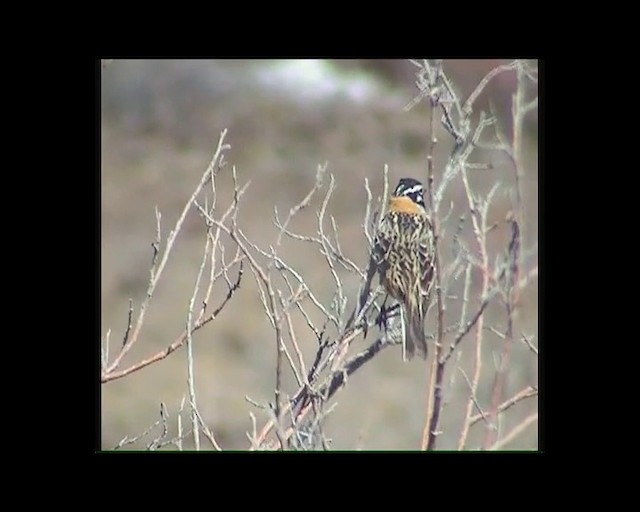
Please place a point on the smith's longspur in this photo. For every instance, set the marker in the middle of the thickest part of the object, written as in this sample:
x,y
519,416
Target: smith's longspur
x,y
403,254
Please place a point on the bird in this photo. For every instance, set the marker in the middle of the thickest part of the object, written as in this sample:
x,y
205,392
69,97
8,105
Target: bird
x,y
403,253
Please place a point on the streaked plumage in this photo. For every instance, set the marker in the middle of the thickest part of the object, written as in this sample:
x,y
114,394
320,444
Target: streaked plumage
x,y
403,253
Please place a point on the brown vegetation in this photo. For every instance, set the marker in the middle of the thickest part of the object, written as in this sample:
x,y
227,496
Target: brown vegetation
x,y
247,333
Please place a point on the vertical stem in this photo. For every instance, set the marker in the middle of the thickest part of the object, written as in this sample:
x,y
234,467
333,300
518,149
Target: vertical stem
x,y
513,259
518,103
511,285
491,431
477,366
278,380
190,370
278,408
192,391
434,391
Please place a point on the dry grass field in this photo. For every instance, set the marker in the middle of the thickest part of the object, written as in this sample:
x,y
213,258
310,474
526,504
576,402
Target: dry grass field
x,y
161,123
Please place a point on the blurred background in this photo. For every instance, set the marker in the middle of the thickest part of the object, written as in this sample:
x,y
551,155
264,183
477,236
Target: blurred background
x,y
161,120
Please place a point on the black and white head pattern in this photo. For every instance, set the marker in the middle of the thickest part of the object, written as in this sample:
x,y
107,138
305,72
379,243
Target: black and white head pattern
x,y
411,188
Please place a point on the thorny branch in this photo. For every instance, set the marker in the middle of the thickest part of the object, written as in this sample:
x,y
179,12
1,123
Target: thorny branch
x,y
504,277
110,370
157,269
328,372
199,313
180,340
295,419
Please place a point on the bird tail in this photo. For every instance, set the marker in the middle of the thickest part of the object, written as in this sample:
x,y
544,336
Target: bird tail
x,y
415,338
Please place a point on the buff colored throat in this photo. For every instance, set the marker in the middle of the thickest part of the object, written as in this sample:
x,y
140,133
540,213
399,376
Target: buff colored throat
x,y
404,204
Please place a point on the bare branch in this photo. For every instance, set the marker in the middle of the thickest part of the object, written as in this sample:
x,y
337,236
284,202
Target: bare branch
x,y
527,341
206,431
129,321
467,279
435,86
528,392
156,273
104,353
165,430
468,105
179,341
515,432
472,397
179,440
435,389
126,440
469,325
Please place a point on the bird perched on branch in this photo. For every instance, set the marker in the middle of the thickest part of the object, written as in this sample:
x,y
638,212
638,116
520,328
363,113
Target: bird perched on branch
x,y
403,253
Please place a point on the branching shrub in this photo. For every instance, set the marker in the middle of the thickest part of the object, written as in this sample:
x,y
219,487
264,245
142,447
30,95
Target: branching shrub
x,y
295,419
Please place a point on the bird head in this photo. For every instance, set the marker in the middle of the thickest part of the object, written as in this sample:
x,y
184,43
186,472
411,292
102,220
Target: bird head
x,y
408,196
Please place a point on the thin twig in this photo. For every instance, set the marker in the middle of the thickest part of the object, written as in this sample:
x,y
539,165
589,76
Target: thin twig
x,y
207,431
190,362
332,384
434,406
126,440
129,322
527,392
468,105
515,432
479,222
179,341
157,272
472,397
104,359
511,272
179,440
155,444
527,341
